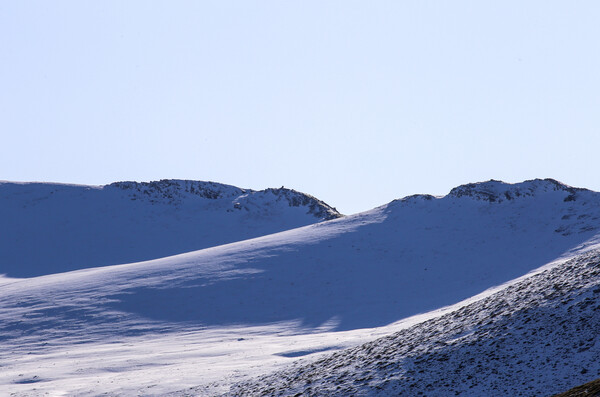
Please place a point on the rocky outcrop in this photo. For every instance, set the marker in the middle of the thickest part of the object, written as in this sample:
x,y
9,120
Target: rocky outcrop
x,y
174,191
497,191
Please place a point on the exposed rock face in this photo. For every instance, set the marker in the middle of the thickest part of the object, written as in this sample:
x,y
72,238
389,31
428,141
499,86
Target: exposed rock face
x,y
590,389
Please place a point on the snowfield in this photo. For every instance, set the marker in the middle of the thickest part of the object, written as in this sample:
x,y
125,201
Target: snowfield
x,y
435,287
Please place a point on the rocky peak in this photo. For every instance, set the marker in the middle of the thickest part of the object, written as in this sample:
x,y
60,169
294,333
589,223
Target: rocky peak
x,y
498,191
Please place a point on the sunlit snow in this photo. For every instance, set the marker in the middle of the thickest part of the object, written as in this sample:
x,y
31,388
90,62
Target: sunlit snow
x,y
211,318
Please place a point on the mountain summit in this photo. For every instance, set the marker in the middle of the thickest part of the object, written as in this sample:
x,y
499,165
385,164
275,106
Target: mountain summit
x,y
498,191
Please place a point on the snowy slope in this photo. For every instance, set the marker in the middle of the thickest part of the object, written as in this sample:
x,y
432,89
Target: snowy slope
x,y
225,313
51,228
537,337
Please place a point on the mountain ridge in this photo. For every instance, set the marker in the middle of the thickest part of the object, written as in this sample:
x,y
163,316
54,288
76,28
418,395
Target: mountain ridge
x,y
497,191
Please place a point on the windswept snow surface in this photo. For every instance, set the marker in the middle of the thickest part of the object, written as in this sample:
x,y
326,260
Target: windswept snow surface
x,y
210,318
537,337
51,228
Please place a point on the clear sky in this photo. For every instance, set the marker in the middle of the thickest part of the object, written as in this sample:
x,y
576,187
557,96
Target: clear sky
x,y
357,103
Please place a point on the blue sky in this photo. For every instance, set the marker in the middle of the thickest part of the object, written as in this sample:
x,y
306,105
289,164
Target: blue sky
x,y
357,103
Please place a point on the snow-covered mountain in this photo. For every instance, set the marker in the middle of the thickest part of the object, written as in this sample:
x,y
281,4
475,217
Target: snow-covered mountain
x,y
215,317
50,228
